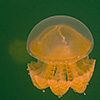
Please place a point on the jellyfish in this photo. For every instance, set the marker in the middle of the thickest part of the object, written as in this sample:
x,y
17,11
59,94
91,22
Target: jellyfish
x,y
61,45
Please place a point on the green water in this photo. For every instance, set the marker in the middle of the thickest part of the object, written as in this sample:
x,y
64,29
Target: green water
x,y
17,18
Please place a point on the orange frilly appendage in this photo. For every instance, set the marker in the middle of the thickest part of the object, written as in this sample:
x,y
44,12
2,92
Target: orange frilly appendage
x,y
62,77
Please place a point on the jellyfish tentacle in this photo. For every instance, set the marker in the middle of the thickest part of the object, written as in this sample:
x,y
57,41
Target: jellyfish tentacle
x,y
58,84
80,81
49,72
37,71
60,77
69,73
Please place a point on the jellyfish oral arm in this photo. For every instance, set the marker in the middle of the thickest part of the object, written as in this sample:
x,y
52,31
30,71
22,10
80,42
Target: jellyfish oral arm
x,y
61,77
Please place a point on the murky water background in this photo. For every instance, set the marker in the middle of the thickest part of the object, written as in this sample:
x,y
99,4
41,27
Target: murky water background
x,y
17,18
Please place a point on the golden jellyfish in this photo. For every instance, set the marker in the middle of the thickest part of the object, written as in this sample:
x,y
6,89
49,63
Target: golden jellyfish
x,y
61,45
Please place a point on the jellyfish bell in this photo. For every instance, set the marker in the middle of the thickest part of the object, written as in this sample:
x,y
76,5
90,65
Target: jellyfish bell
x,y
49,35
62,45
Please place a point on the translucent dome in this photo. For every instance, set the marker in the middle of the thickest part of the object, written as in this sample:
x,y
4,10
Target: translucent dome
x,y
60,39
62,45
